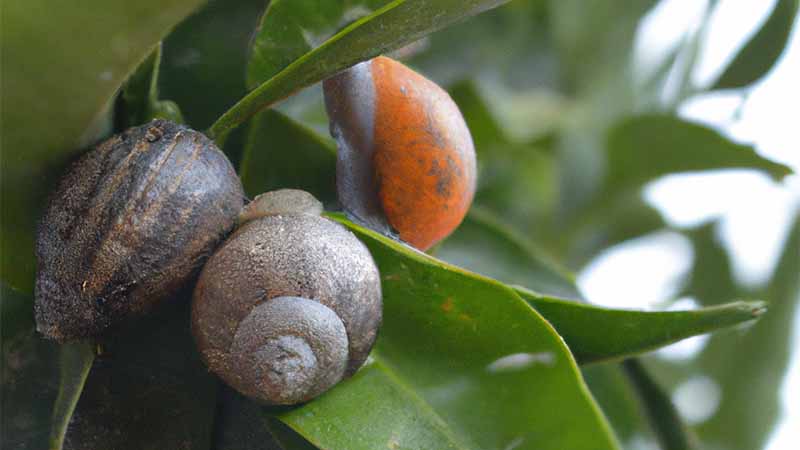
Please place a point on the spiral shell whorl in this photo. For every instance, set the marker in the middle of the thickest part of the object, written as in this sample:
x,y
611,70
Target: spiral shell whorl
x,y
248,282
289,350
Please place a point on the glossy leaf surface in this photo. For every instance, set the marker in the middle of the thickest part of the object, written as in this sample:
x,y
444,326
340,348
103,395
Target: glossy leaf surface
x,y
598,334
452,340
395,25
290,28
58,94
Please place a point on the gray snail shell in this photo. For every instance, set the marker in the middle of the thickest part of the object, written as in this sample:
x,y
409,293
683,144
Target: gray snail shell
x,y
289,305
129,224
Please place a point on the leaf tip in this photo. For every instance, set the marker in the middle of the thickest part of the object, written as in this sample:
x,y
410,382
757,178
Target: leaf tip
x,y
756,308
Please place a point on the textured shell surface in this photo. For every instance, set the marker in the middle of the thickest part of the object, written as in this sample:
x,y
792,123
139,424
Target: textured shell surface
x,y
128,225
406,162
293,255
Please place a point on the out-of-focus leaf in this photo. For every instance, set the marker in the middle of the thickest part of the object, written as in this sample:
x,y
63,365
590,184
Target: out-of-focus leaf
x,y
394,25
509,45
761,52
517,182
606,225
76,360
291,28
486,246
203,58
711,278
594,39
140,102
601,334
147,389
595,44
461,362
750,385
282,153
62,64
483,127
619,403
646,147
670,430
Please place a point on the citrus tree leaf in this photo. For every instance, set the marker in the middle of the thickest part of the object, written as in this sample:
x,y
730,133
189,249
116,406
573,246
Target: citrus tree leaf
x,y
140,102
516,180
736,425
204,57
485,245
669,429
54,94
75,360
290,28
761,52
461,362
618,401
398,23
601,334
646,147
282,153
594,39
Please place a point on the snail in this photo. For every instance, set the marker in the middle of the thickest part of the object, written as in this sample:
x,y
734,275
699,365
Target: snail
x,y
406,161
289,305
129,224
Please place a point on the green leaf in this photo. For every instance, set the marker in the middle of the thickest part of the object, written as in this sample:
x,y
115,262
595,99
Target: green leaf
x,y
646,147
737,425
485,245
62,64
76,360
670,430
461,362
605,224
758,56
615,396
601,334
291,28
472,48
396,24
281,153
372,410
140,103
204,59
594,39
516,181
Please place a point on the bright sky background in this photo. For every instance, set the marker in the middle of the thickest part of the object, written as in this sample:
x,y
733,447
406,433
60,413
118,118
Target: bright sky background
x,y
755,212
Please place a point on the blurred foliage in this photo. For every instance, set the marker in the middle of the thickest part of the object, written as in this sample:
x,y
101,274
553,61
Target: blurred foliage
x,y
567,132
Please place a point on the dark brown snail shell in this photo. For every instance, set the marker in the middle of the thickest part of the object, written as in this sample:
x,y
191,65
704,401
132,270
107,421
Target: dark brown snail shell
x,y
288,305
128,225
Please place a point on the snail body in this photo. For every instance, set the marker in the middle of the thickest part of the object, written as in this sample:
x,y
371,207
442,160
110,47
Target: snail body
x,y
406,161
289,305
128,225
